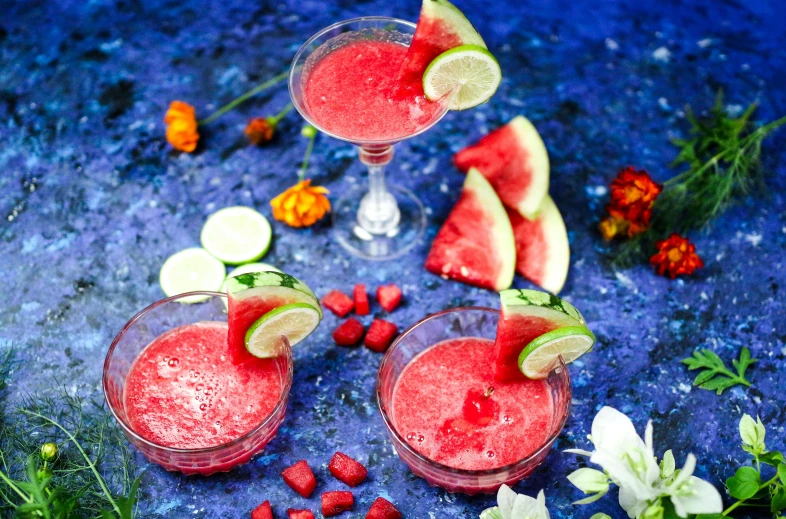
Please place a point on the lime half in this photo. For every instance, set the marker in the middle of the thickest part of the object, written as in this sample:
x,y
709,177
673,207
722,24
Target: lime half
x,y
294,321
470,74
539,356
191,270
237,235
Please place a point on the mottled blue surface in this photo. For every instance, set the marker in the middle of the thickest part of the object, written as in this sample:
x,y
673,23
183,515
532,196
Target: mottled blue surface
x,y
92,201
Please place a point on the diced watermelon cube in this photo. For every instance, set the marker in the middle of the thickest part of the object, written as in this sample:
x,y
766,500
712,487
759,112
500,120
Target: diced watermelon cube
x,y
338,302
300,514
361,300
300,478
333,503
349,332
380,334
383,509
347,469
263,511
389,297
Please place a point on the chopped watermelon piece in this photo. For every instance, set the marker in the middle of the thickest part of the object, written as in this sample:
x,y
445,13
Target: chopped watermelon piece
x,y
338,302
349,332
263,511
380,334
333,503
300,478
300,514
383,509
389,297
514,160
475,244
441,27
542,248
361,300
347,469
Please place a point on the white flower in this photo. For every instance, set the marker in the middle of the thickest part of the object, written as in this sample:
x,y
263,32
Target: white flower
x,y
626,458
517,506
691,495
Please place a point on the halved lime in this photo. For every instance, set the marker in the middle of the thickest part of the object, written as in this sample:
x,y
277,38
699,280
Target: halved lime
x,y
569,342
470,74
294,321
237,235
191,270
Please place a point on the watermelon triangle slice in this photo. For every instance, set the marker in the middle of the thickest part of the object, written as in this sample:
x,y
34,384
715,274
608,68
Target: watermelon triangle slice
x,y
514,160
542,249
441,27
475,244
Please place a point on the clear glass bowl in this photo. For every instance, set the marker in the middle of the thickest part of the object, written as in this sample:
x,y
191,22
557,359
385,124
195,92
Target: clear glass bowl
x,y
453,324
139,332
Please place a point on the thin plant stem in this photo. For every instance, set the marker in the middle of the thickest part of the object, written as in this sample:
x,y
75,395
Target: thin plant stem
x,y
90,463
13,487
242,98
284,111
302,173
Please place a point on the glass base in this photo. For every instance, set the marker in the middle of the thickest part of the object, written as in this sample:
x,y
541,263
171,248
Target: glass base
x,y
361,242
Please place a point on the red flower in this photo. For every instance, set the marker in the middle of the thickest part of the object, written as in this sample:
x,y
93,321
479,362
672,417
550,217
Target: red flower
x,y
260,130
632,195
676,256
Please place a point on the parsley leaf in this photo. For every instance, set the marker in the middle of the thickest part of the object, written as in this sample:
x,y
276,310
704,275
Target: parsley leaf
x,y
715,376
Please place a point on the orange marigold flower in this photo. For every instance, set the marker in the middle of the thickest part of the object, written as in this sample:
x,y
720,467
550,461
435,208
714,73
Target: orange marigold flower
x,y
632,195
260,130
612,227
301,205
676,256
181,130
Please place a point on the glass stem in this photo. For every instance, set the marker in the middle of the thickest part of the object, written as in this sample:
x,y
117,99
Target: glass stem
x,y
379,213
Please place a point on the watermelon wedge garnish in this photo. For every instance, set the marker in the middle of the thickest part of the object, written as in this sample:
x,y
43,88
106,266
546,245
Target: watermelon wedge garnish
x,y
514,160
441,27
525,315
253,295
475,244
542,249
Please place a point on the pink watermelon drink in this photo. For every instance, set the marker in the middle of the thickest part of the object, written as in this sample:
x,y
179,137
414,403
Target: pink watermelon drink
x,y
449,418
450,408
170,383
183,391
349,92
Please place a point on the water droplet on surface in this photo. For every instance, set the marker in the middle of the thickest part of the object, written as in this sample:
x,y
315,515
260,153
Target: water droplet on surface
x,y
490,454
173,362
507,420
199,387
203,407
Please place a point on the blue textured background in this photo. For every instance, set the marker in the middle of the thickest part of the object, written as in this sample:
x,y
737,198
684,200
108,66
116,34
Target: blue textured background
x,y
93,200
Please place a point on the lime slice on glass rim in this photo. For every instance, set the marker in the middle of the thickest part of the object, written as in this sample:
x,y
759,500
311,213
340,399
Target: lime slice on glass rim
x,y
539,356
469,74
191,270
237,235
294,321
536,355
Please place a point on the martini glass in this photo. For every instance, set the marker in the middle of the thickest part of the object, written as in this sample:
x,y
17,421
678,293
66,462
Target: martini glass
x,y
381,221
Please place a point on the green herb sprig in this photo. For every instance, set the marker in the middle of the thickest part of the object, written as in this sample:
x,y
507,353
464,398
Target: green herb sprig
x,y
62,458
749,486
715,376
723,160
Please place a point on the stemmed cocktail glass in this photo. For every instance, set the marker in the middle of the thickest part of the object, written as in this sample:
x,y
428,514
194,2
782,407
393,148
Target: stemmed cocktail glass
x,y
384,221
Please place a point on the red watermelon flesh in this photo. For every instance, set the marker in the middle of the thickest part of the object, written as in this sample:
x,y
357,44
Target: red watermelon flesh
x,y
242,314
542,249
440,28
475,244
514,160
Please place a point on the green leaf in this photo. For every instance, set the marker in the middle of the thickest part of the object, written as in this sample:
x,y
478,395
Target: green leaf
x,y
667,465
744,483
773,458
782,473
600,515
715,376
778,502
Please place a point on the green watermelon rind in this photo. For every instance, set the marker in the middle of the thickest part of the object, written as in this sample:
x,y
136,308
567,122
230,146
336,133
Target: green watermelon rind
x,y
520,300
502,232
246,285
558,258
444,10
530,140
